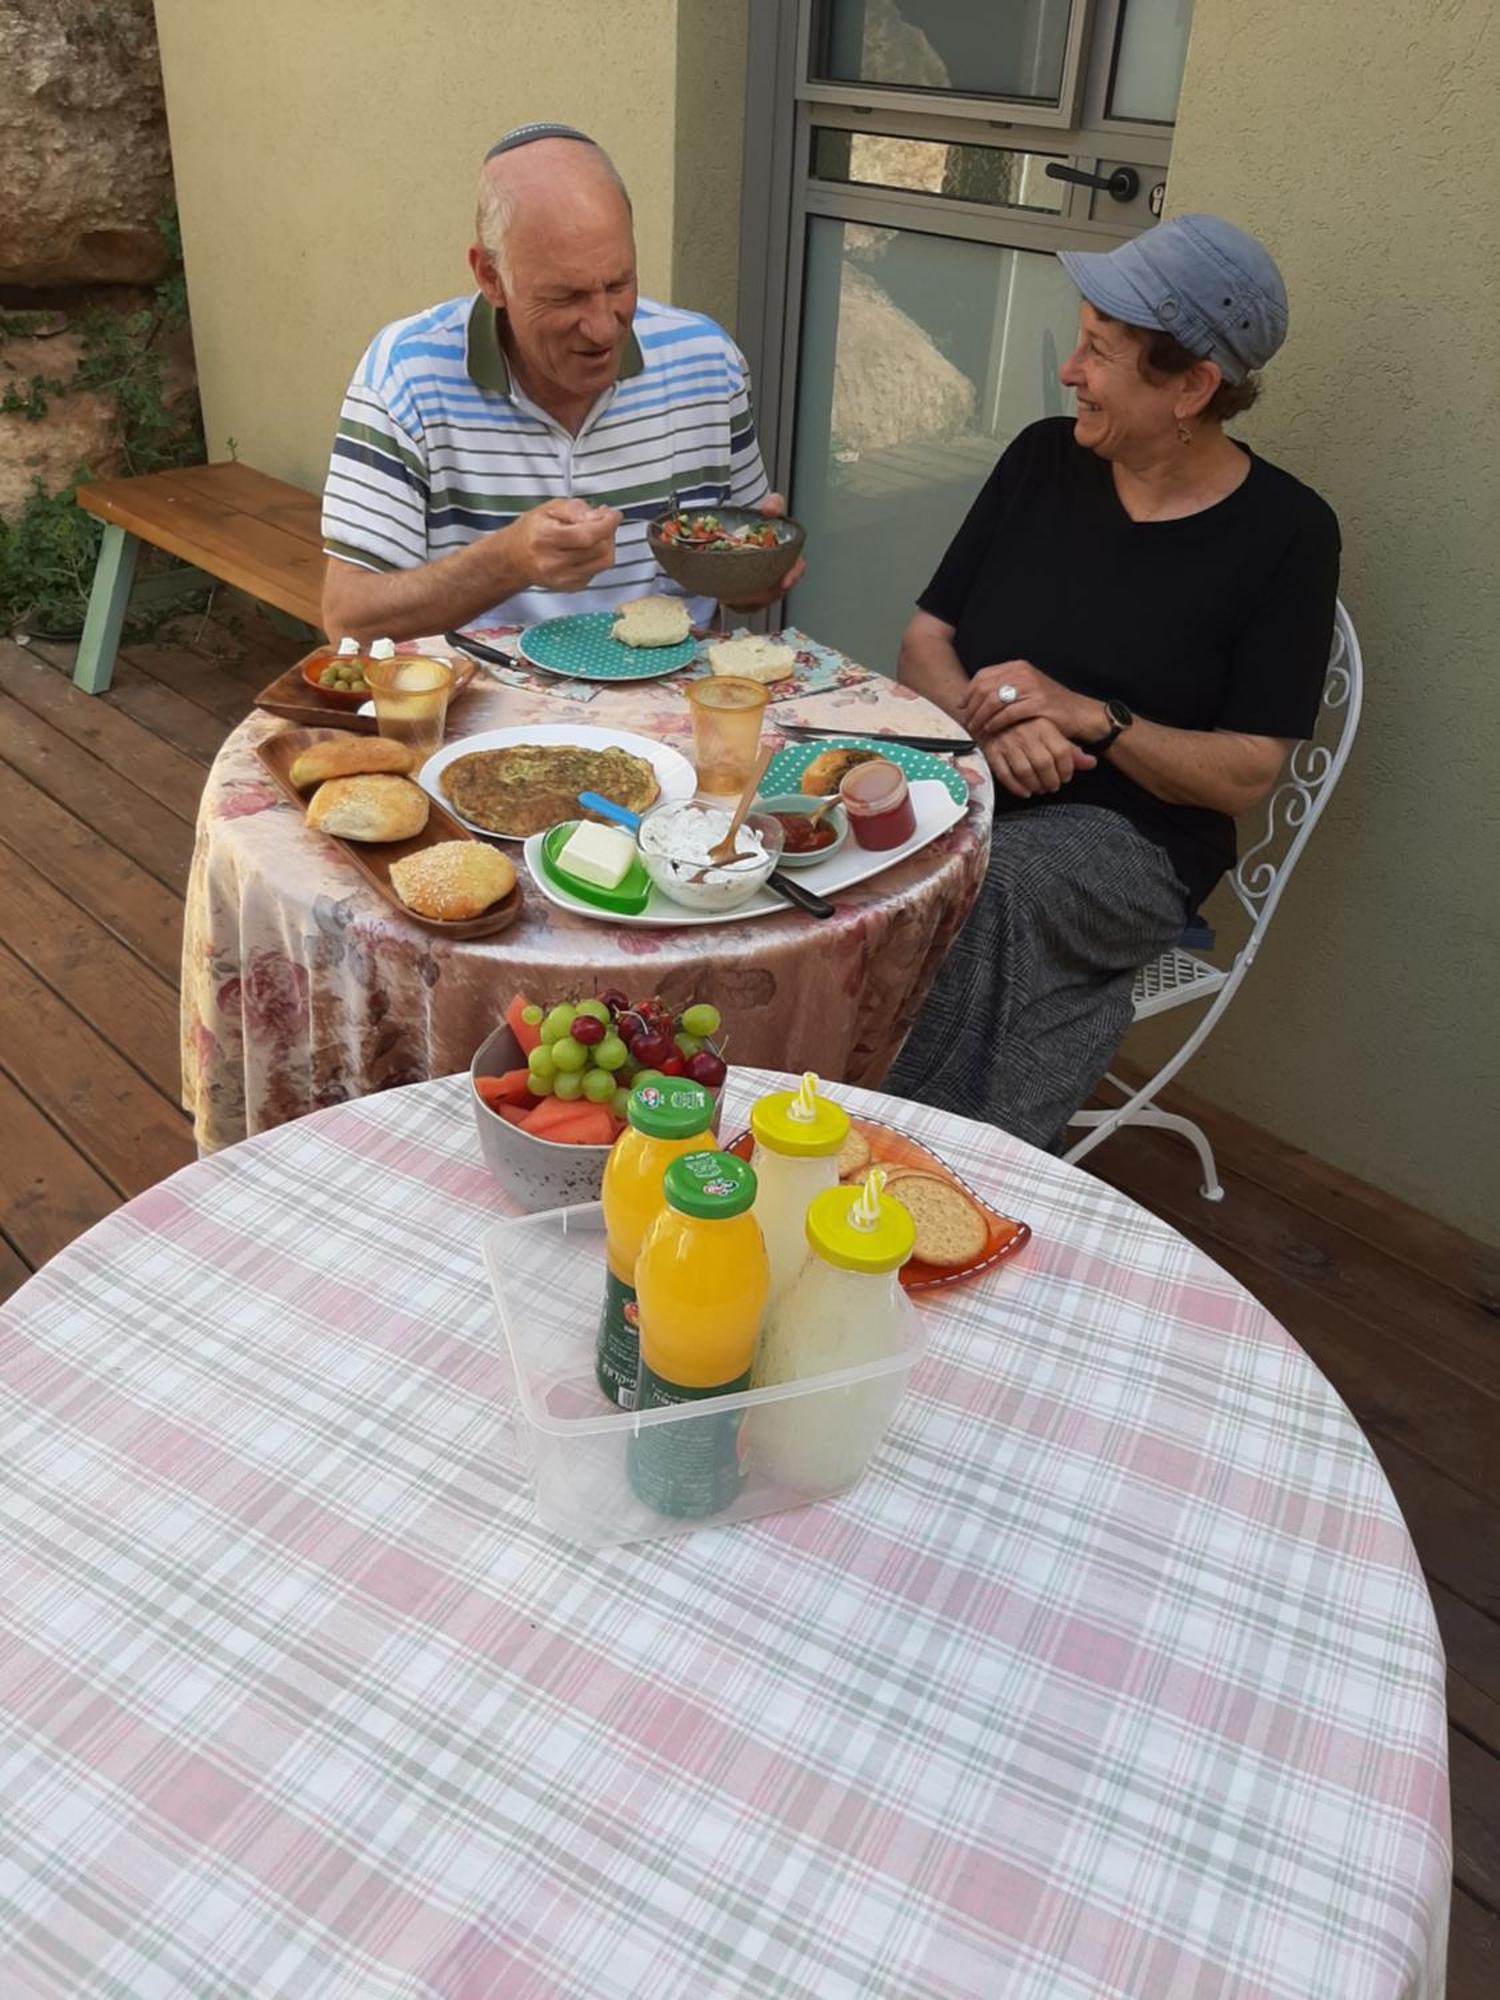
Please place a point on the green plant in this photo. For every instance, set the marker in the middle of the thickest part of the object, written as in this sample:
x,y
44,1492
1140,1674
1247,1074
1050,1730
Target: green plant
x,y
47,555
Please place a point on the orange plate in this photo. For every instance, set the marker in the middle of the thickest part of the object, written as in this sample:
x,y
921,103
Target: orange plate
x,y
298,700
890,1148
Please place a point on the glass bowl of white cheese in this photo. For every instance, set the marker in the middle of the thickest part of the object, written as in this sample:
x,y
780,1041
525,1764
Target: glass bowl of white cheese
x,y
675,840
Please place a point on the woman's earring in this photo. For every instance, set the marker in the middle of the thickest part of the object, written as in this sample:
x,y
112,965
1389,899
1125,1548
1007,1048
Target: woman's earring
x,y
1184,435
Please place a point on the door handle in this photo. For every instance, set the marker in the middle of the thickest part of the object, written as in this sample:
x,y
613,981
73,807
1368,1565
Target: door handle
x,y
1124,183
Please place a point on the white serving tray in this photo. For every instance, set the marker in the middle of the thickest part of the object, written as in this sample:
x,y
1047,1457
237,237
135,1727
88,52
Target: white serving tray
x,y
936,811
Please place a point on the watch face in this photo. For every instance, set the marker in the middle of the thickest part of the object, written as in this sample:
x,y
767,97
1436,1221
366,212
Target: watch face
x,y
1120,716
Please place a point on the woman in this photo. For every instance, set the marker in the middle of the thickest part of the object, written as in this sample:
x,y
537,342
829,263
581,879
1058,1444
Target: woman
x,y
1134,621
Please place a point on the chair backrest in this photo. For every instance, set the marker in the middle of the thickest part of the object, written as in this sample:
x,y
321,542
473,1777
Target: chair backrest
x,y
1294,807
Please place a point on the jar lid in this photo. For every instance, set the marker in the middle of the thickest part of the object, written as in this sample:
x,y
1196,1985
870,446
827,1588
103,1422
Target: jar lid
x,y
711,1186
800,1123
875,783
667,1109
861,1229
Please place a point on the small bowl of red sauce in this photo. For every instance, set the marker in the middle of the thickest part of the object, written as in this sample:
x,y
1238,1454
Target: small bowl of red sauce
x,y
805,843
875,796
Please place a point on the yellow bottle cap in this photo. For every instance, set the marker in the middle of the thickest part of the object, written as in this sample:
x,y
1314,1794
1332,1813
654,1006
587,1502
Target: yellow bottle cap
x,y
861,1229
799,1123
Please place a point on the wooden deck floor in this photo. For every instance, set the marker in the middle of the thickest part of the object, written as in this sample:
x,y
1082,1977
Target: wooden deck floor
x,y
97,802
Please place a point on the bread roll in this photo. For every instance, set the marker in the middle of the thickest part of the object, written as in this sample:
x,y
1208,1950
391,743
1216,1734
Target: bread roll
x,y
753,658
381,807
826,772
652,621
349,756
453,880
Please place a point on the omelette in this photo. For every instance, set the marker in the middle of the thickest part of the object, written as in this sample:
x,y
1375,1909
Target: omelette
x,y
531,786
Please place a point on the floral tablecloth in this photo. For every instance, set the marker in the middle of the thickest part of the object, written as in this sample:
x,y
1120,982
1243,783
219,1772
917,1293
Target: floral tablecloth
x,y
1114,1676
302,988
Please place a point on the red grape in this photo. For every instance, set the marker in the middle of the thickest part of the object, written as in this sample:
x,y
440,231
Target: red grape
x,y
707,1068
587,1029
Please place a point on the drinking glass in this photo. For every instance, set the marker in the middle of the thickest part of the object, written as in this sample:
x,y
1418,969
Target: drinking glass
x,y
727,715
411,699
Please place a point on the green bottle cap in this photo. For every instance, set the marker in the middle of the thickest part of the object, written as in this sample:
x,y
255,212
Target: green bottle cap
x,y
711,1186
669,1109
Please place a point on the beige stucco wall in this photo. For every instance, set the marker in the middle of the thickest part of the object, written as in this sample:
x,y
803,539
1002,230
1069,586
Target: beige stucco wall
x,y
325,157
1360,142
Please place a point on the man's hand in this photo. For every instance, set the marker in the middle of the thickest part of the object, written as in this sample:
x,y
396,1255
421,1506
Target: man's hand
x,y
1034,757
1038,698
773,507
563,543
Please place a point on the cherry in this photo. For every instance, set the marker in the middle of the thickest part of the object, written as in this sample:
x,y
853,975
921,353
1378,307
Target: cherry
x,y
615,1001
674,1066
653,1049
707,1068
628,1026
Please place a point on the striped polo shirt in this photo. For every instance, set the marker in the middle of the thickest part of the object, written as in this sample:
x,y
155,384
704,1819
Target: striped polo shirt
x,y
436,446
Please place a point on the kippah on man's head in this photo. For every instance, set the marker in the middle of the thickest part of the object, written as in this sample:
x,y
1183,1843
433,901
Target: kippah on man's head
x,y
526,135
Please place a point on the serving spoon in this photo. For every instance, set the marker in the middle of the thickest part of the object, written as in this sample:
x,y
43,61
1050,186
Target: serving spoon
x,y
722,851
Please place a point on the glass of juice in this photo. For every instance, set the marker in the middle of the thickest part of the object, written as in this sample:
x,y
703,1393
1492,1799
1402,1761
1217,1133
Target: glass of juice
x,y
411,699
727,715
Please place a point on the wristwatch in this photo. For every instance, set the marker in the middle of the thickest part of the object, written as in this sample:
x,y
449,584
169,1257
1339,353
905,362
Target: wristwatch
x,y
1120,719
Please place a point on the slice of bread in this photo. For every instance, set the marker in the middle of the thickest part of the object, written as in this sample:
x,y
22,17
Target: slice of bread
x,y
652,621
951,1229
349,756
453,880
375,808
753,658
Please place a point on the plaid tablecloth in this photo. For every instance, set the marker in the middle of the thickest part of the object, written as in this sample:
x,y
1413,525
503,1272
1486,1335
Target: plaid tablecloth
x,y
1116,1674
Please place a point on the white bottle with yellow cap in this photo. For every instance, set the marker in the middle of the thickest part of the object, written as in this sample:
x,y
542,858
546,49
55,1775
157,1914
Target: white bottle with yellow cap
x,y
798,1138
844,1309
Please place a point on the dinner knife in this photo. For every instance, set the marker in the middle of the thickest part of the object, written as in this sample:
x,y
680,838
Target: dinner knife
x,y
783,885
477,650
958,746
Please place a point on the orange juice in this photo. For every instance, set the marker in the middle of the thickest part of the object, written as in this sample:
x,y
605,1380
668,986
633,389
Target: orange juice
x,y
701,1283
667,1119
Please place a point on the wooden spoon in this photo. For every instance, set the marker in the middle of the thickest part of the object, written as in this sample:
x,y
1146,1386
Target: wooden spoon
x,y
722,851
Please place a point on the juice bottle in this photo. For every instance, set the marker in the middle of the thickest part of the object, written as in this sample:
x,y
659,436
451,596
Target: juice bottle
x,y
701,1282
798,1138
666,1119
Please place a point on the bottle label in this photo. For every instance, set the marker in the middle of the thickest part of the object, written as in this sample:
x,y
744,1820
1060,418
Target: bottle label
x,y
617,1357
691,1469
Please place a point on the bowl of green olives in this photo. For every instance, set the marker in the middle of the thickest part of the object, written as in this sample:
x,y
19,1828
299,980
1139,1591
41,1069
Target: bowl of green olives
x,y
341,681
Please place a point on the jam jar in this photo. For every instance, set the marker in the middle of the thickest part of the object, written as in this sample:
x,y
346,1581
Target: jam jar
x,y
878,804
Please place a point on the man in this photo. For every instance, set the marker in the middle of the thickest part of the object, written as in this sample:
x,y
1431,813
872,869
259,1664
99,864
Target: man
x,y
498,457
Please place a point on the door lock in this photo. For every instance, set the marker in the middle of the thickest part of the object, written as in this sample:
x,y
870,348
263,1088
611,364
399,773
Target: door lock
x,y
1124,183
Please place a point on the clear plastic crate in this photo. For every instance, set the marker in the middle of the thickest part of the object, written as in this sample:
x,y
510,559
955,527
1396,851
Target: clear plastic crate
x,y
775,1448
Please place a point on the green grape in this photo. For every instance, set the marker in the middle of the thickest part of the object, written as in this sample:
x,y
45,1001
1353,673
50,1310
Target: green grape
x,y
532,1016
611,1053
620,1103
595,1007
557,1024
701,1019
689,1045
567,1085
648,1076
540,1063
568,1054
598,1086
539,1086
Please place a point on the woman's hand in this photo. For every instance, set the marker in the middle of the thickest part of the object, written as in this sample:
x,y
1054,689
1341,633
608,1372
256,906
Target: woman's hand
x,y
1038,697
1034,757
773,507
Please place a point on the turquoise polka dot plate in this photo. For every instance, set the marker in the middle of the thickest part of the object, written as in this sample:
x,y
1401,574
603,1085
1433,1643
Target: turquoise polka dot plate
x,y
784,772
580,648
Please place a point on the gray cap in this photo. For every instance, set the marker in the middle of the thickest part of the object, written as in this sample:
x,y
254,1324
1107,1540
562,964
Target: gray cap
x,y
1198,278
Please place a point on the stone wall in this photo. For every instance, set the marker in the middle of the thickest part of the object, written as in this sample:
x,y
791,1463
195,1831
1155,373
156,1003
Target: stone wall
x,y
87,173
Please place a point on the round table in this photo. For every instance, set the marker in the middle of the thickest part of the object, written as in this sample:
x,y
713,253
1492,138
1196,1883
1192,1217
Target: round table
x,y
1115,1675
302,988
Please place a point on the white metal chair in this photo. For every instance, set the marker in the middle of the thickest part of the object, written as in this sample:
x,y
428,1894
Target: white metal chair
x,y
1180,977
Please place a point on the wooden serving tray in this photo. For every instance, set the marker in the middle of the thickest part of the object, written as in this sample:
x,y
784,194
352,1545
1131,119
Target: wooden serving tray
x,y
297,700
373,858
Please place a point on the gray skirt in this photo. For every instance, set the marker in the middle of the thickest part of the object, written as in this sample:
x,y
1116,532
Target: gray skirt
x,y
1033,1000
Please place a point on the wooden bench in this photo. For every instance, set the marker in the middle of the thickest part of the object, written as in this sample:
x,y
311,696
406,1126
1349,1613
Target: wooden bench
x,y
233,523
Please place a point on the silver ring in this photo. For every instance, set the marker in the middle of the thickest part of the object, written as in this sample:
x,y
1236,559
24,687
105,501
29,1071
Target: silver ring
x,y
1005,694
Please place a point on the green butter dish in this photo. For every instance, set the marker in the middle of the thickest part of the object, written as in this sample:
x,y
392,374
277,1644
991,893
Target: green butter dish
x,y
628,900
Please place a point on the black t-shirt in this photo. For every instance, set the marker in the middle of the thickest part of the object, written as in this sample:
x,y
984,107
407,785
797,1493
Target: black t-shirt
x,y
1220,620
